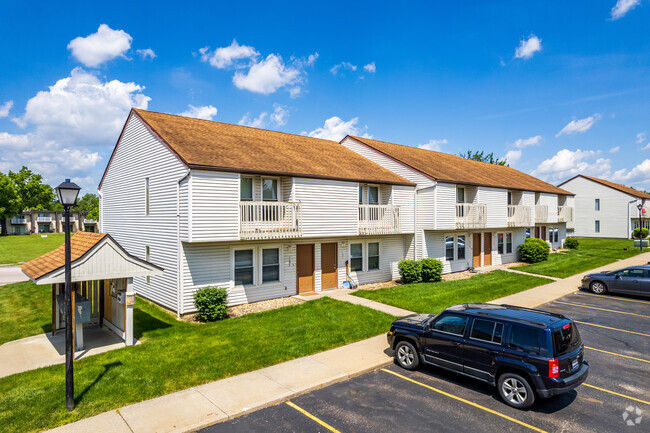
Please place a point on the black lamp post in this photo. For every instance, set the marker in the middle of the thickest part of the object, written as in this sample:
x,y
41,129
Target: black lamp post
x,y
67,193
640,207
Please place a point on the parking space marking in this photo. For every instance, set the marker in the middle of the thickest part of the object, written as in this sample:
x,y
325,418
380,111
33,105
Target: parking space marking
x,y
616,393
614,329
308,415
617,354
446,394
602,309
618,298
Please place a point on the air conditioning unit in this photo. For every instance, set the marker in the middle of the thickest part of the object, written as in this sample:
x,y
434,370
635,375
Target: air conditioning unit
x,y
121,297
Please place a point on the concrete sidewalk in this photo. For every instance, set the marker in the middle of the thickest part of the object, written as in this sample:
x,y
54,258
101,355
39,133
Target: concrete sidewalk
x,y
345,295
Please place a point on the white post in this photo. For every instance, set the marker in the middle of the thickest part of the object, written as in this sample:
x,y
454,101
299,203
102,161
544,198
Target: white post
x,y
128,316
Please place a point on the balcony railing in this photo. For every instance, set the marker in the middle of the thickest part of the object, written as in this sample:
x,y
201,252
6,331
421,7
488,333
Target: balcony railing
x,y
565,214
18,220
471,216
89,221
269,220
519,216
44,219
541,213
378,219
72,219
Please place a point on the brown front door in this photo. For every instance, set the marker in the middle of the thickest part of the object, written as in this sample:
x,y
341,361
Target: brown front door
x,y
537,232
543,233
487,249
476,256
328,266
305,268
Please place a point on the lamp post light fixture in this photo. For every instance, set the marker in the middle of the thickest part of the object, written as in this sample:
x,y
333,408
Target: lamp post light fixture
x,y
67,193
640,207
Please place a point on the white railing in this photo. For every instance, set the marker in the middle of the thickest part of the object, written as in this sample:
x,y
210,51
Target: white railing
x,y
269,220
378,219
89,221
72,219
519,216
471,216
541,213
565,214
18,220
42,219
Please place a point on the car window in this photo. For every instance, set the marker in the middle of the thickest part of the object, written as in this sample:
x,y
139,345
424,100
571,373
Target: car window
x,y
632,273
565,339
451,323
525,338
487,330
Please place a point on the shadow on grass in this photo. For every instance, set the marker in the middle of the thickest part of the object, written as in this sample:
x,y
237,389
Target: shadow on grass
x,y
107,367
47,327
144,323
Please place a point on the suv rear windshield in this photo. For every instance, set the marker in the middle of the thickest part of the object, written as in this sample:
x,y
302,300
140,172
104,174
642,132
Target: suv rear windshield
x,y
565,339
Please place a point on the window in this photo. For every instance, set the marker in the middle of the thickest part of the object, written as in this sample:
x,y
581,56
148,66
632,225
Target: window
x,y
524,338
146,196
597,204
451,324
246,189
508,243
147,257
597,228
565,339
360,194
460,195
270,265
527,232
449,247
500,243
631,273
244,267
270,190
556,234
373,195
487,330
509,198
373,255
460,247
356,257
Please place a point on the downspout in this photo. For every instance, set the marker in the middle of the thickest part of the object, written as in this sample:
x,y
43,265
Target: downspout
x,y
629,222
179,275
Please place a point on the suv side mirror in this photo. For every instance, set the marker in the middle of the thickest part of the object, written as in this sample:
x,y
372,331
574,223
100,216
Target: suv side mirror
x,y
618,276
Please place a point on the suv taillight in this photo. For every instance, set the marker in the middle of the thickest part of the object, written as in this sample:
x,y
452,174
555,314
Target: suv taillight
x,y
553,368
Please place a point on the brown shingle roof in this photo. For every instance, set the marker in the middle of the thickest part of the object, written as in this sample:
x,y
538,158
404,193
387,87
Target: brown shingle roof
x,y
205,144
80,244
626,189
444,167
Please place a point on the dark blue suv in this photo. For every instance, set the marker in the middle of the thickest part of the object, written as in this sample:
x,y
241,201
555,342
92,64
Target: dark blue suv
x,y
523,352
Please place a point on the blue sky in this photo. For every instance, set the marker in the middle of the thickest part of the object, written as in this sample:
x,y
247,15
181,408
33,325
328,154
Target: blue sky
x,y
558,87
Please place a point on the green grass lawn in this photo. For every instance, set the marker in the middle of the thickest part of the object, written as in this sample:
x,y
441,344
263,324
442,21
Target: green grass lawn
x,y
591,253
17,249
25,310
435,297
176,355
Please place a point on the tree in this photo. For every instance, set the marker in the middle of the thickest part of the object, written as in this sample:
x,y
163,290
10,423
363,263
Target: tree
x,y
89,203
10,203
33,193
483,157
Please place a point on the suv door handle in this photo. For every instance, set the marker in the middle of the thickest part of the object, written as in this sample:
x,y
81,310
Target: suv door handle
x,y
457,343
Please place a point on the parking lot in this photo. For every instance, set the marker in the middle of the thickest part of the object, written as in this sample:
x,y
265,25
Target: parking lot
x,y
616,334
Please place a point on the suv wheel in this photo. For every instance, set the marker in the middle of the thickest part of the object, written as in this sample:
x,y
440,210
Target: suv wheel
x,y
406,356
515,391
598,287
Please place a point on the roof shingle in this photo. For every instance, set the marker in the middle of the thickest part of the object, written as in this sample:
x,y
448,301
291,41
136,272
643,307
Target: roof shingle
x,y
626,189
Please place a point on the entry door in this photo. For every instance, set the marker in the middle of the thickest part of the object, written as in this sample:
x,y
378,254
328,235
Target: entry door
x,y
543,233
305,268
328,266
537,232
487,249
476,248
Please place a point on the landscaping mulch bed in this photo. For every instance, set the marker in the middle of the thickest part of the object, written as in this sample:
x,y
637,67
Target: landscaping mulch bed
x,y
256,307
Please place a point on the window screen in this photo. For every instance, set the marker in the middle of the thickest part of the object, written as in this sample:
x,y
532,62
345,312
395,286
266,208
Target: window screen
x,y
244,267
460,247
246,189
270,265
449,247
270,190
508,243
373,195
500,243
356,257
373,255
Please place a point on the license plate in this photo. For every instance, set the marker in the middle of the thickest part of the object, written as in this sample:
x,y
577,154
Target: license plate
x,y
574,364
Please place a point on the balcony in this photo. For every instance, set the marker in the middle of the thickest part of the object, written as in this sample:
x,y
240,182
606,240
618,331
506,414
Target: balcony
x,y
519,216
44,219
19,220
89,221
269,220
564,214
72,219
471,216
378,219
541,213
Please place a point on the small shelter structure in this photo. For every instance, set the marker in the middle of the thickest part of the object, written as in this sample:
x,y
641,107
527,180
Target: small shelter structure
x,y
102,284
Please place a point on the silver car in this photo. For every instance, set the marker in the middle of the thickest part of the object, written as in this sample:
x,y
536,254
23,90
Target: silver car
x,y
634,280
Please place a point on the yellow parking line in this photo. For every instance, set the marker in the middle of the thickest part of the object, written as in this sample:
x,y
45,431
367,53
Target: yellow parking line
x,y
465,401
603,309
613,329
618,298
308,415
616,393
617,354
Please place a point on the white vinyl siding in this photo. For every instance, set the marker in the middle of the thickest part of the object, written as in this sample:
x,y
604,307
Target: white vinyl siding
x,y
549,200
404,197
497,206
445,209
214,206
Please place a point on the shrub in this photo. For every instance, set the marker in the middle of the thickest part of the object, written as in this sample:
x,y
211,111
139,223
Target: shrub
x,y
635,233
533,250
211,303
431,270
410,271
571,243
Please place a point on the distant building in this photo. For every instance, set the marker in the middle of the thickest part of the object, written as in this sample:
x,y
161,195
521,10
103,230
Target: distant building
x,y
49,221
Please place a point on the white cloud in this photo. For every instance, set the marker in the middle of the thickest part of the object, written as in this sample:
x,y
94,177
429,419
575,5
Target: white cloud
x,y
638,176
225,57
579,126
622,7
100,47
257,122
336,129
147,52
640,137
646,147
6,108
512,156
528,47
268,76
614,149
566,164
343,66
278,117
433,144
206,112
525,142
371,68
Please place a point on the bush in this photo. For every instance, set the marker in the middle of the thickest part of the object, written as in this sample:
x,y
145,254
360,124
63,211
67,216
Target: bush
x,y
533,250
211,303
410,271
431,270
571,243
635,233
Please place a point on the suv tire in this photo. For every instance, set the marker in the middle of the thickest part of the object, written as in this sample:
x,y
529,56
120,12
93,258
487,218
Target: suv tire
x,y
598,287
406,356
515,391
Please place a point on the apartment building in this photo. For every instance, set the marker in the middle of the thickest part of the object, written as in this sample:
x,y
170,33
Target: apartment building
x,y
606,209
48,221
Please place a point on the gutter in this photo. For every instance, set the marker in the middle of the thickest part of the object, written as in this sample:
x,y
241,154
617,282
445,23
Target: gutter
x,y
179,273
